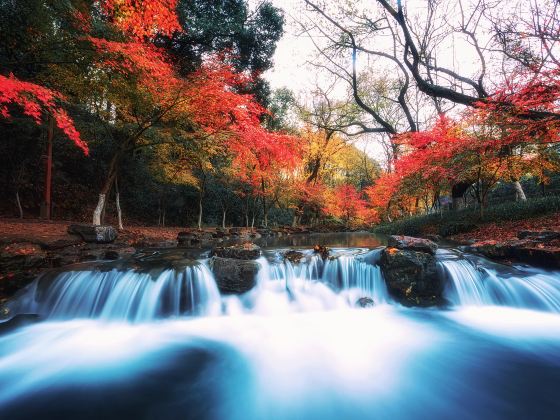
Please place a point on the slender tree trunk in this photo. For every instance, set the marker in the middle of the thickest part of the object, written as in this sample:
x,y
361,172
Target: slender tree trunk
x,y
106,189
18,202
265,209
519,193
98,210
118,205
224,211
48,173
200,210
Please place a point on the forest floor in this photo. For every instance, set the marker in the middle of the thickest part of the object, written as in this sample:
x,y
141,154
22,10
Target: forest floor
x,y
509,229
42,231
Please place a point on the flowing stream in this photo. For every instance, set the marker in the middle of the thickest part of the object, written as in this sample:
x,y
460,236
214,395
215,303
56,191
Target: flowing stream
x,y
153,338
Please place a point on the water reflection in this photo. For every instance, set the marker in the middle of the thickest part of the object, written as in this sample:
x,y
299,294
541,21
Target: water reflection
x,y
335,239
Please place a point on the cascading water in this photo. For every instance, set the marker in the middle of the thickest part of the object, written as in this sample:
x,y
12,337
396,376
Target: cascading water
x,y
295,346
122,295
474,281
312,284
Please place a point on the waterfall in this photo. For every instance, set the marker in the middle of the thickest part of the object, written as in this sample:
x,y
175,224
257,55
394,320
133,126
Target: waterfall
x,y
122,295
345,272
479,282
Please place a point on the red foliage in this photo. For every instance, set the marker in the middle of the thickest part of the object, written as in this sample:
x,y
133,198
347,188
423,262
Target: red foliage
x,y
346,203
527,106
143,18
35,101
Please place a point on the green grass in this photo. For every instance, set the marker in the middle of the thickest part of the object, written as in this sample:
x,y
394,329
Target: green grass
x,y
451,223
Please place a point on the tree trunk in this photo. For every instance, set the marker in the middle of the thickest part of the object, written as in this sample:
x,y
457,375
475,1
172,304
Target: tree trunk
x,y
457,195
519,193
48,173
18,202
224,211
200,211
118,205
111,175
98,210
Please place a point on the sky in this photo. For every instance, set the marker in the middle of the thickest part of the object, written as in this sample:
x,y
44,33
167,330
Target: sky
x,y
292,71
292,52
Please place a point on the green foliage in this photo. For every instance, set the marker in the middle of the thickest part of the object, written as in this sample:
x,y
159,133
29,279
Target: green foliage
x,y
452,223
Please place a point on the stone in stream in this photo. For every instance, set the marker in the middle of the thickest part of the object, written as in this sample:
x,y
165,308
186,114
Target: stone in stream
x,y
247,251
235,268
365,302
410,271
322,250
412,244
94,234
295,257
235,275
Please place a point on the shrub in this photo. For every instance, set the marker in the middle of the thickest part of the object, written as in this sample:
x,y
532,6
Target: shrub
x,y
452,223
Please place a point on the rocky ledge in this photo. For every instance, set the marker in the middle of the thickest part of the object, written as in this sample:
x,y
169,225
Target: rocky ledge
x,y
537,248
235,267
410,271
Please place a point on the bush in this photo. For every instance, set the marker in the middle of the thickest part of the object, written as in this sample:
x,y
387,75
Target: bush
x,y
452,223
455,228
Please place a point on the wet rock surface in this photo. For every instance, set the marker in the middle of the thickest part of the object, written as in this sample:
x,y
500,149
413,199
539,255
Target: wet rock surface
x,y
412,244
410,271
234,275
94,234
295,257
246,251
538,248
322,250
365,302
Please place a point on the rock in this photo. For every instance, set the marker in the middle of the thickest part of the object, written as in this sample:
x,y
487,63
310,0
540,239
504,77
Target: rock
x,y
500,250
22,255
543,257
235,275
539,235
322,250
61,243
412,244
411,276
187,239
248,251
295,257
265,232
434,238
365,302
94,234
111,255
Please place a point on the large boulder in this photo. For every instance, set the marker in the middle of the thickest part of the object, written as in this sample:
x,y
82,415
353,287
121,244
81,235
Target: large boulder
x,y
412,244
235,275
539,235
411,276
94,234
248,251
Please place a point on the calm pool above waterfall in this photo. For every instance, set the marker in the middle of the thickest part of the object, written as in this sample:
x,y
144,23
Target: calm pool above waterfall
x,y
153,338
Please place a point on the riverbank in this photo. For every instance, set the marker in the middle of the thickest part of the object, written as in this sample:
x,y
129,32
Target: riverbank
x,y
30,246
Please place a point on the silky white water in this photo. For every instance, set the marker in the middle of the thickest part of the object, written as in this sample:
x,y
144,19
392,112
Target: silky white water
x,y
163,344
